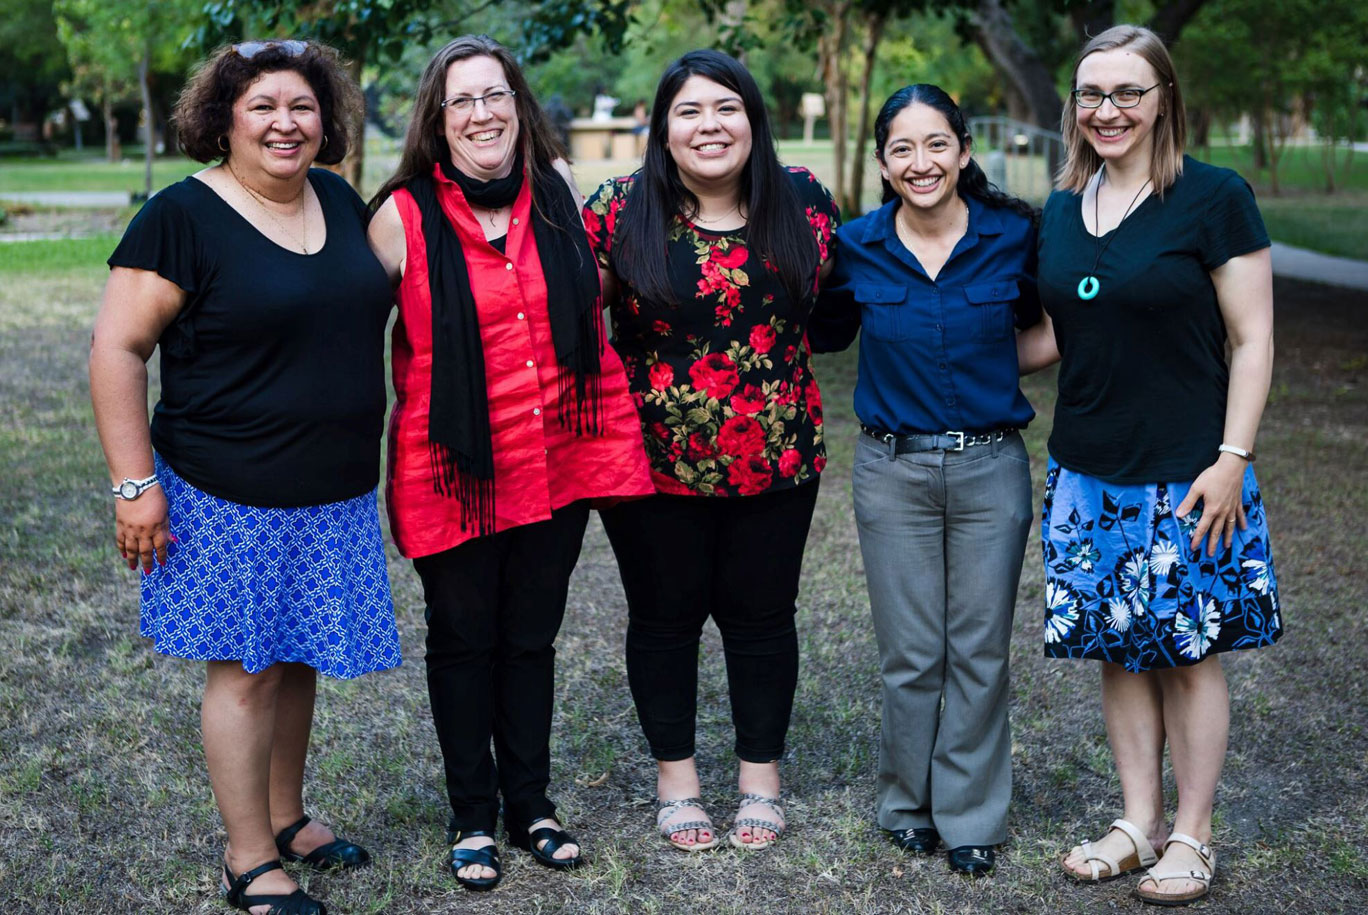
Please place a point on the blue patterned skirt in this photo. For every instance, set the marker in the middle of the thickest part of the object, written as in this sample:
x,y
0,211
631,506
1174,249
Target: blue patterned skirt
x,y
1123,585
264,585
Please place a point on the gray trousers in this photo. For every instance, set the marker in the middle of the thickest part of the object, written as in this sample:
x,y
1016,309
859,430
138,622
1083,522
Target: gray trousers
x,y
943,536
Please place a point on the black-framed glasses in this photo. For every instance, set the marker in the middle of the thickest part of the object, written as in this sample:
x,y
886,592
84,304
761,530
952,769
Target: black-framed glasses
x,y
292,47
499,98
1121,98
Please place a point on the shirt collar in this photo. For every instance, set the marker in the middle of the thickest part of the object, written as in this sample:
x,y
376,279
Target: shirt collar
x,y
983,220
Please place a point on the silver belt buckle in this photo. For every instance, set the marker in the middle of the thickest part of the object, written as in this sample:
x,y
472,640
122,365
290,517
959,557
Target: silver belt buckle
x,y
959,436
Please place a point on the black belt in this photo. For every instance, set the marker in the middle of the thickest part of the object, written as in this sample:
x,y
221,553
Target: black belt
x,y
937,441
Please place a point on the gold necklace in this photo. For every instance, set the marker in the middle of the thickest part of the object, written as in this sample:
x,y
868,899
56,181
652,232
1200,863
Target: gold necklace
x,y
906,233
303,238
698,216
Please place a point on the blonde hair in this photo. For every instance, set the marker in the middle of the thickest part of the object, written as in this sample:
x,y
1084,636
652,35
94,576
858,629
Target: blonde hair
x,y
1081,161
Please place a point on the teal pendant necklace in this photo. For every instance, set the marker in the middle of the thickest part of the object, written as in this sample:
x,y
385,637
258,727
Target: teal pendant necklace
x,y
1089,287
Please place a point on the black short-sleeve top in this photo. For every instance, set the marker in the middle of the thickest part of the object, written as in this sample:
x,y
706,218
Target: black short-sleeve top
x,y
723,382
272,375
1143,374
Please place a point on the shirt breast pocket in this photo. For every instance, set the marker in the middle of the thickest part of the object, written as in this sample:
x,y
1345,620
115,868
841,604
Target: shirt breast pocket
x,y
992,306
883,310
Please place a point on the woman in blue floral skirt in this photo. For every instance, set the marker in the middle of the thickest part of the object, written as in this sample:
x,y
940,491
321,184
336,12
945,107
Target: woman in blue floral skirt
x,y
1155,541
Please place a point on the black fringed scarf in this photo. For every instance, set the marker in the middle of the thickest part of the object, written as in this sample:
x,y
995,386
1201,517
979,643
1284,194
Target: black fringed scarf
x,y
460,444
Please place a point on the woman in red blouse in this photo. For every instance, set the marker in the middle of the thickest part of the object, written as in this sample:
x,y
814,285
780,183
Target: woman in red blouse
x,y
711,255
511,415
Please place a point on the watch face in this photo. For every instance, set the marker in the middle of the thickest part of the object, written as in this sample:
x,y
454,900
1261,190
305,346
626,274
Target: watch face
x,y
128,489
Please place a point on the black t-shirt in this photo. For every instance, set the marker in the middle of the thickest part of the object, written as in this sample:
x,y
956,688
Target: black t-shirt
x,y
273,387
1143,376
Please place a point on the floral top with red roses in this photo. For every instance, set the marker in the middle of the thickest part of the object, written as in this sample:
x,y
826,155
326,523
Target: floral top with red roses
x,y
723,382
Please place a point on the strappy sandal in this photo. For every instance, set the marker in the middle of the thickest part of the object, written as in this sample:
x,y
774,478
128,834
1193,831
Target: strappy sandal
x,y
296,903
775,825
484,856
542,844
1204,854
337,855
670,808
1102,868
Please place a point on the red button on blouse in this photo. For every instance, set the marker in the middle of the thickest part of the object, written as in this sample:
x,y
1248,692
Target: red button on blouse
x,y
538,464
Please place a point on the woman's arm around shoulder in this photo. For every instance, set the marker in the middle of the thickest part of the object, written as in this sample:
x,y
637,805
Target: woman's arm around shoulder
x,y
386,237
136,308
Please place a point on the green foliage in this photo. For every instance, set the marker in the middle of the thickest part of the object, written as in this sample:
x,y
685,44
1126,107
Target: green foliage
x,y
33,63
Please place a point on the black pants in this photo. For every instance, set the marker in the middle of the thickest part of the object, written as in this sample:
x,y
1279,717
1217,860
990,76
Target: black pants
x,y
494,606
684,558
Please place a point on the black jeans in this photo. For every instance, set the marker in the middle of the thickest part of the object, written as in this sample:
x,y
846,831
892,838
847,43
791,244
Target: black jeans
x,y
494,606
684,558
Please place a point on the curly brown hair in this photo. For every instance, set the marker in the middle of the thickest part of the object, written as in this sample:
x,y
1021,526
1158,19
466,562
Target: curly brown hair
x,y
204,111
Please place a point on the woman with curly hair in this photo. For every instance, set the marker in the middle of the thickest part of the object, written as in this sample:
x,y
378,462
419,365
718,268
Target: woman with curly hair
x,y
711,255
250,504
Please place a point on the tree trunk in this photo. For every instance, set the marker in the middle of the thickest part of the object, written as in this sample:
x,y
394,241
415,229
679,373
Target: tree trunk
x,y
111,127
149,133
1260,151
1270,120
1021,66
831,68
353,163
1092,18
875,22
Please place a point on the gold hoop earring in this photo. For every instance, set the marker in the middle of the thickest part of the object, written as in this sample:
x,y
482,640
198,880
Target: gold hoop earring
x,y
221,145
325,142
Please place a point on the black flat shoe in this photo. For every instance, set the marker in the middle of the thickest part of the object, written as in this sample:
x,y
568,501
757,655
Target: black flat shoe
x,y
919,840
486,856
974,860
296,903
546,854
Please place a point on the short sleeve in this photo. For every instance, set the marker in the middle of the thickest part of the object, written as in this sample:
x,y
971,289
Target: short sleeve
x,y
601,211
819,207
161,238
1231,222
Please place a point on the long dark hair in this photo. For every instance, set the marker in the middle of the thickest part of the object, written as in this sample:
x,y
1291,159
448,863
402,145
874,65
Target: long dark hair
x,y
972,181
425,143
776,228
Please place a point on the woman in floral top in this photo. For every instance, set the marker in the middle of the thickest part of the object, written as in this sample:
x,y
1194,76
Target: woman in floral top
x,y
711,256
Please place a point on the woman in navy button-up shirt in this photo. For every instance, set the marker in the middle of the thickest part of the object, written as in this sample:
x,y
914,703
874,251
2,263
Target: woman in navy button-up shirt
x,y
939,278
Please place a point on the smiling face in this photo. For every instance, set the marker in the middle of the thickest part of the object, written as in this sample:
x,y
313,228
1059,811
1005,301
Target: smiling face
x,y
708,135
1119,134
277,127
483,140
922,157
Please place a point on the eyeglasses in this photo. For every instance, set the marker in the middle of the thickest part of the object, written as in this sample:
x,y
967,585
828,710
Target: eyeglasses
x,y
499,98
1121,98
292,47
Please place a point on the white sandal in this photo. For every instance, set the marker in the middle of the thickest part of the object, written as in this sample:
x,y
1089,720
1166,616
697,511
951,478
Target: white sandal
x,y
1141,857
669,808
775,825
1204,854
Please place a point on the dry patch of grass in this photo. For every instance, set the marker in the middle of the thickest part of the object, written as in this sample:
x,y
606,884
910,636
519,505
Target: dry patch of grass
x,y
104,806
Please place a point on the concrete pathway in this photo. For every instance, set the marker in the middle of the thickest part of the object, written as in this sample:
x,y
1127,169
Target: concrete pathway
x,y
1301,264
70,198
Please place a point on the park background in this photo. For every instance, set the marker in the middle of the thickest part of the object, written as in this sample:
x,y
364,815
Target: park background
x,y
104,805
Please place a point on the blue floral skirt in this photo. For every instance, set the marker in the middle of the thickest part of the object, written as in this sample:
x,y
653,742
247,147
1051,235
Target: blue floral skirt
x,y
1123,585
263,585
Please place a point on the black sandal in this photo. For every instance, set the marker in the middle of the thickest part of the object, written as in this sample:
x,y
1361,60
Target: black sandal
x,y
485,856
296,903
546,853
337,855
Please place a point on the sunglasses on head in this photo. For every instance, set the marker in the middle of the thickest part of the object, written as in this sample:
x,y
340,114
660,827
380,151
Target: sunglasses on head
x,y
292,47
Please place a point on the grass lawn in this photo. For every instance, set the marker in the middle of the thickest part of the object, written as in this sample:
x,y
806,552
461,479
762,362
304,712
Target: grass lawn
x,y
105,808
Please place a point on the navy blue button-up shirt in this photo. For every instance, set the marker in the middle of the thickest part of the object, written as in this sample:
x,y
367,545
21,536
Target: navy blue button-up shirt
x,y
936,355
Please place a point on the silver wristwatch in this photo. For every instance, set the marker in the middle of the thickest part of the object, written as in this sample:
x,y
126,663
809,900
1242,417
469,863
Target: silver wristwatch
x,y
129,490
